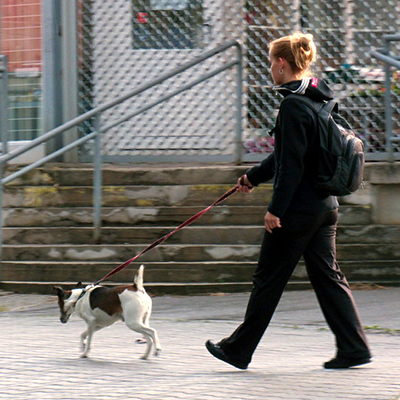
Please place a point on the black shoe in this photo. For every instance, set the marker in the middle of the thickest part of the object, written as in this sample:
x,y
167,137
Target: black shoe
x,y
338,363
217,352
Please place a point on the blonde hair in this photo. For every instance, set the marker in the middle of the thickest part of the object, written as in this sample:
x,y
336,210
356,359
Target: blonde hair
x,y
298,50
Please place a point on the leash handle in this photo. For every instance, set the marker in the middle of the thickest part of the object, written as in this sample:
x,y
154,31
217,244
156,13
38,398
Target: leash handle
x,y
168,235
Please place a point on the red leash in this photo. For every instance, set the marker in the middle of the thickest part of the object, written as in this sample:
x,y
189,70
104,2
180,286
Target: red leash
x,y
168,235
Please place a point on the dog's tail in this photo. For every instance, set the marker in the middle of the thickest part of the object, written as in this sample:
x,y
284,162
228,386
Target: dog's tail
x,y
139,278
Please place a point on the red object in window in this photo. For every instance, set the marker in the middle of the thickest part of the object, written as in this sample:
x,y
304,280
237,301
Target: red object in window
x,y
141,17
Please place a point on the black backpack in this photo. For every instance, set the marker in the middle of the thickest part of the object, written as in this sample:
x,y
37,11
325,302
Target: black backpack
x,y
340,164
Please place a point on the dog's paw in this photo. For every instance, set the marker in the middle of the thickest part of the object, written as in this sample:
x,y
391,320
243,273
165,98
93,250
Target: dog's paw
x,y
84,355
145,357
141,341
158,352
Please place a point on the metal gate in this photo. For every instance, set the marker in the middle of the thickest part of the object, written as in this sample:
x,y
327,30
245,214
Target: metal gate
x,y
126,43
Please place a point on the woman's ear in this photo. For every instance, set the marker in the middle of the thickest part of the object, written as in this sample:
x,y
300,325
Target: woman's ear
x,y
281,62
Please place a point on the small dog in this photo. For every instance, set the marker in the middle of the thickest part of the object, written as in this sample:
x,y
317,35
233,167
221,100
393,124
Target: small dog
x,y
99,307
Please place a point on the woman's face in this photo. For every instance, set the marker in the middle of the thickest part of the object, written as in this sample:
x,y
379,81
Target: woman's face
x,y
275,68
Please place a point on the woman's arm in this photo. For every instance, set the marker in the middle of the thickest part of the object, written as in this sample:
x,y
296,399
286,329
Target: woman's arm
x,y
295,125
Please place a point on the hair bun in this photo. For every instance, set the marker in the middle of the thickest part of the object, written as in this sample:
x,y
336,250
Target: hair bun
x,y
303,48
303,39
305,42
298,49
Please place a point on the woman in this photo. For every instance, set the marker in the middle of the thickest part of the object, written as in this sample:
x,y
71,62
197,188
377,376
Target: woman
x,y
301,221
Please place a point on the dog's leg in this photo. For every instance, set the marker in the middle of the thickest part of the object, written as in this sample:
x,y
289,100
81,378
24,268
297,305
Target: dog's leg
x,y
150,334
86,346
146,320
83,340
89,334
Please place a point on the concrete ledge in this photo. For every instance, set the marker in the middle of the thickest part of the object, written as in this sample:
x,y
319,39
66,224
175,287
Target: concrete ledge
x,y
181,289
30,156
383,173
384,179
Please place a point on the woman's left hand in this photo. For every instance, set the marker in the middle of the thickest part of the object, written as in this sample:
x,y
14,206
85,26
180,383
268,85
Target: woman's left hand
x,y
271,222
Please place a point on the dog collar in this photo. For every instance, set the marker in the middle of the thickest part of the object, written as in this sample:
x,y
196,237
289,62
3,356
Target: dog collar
x,y
80,296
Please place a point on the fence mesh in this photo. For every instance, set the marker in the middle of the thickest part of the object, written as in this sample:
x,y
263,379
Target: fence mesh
x,y
163,34
124,43
345,32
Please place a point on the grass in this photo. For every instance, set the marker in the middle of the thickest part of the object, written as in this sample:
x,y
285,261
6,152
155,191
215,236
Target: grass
x,y
377,328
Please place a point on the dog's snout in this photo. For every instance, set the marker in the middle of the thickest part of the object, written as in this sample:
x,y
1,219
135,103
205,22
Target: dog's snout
x,y
64,318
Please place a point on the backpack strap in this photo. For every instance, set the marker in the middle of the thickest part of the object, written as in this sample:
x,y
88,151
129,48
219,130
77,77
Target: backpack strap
x,y
317,106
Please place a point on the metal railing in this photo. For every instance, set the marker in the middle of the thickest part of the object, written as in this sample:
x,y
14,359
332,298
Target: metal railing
x,y
389,60
3,104
99,128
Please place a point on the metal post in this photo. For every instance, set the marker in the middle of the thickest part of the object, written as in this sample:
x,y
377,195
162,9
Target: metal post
x,y
70,73
349,29
239,105
4,104
388,105
296,7
52,71
1,217
3,136
97,181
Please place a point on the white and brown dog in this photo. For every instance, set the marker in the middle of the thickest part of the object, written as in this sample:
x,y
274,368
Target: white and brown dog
x,y
100,306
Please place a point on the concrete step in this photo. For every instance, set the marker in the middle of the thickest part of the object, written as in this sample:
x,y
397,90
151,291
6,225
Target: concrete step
x,y
159,216
179,252
180,272
154,289
233,234
129,174
48,235
130,196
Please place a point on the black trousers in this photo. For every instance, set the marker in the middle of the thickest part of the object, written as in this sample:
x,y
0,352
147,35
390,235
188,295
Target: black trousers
x,y
314,237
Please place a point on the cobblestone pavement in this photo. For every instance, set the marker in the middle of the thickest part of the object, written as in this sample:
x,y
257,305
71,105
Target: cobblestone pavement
x,y
40,356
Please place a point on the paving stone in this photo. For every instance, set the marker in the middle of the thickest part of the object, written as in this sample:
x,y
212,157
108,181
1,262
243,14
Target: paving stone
x,y
40,356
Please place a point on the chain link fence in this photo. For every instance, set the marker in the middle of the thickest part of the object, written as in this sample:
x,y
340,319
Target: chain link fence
x,y
123,43
345,31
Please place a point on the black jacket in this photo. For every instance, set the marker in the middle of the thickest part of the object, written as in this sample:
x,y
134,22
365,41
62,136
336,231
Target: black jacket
x,y
293,162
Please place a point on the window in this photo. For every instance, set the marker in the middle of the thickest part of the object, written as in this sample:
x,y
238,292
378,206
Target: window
x,y
167,24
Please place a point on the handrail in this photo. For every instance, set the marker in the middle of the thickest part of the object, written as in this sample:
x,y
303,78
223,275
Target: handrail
x,y
118,100
385,58
98,129
389,60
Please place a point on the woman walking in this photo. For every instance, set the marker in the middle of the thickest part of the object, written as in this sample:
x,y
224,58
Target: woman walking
x,y
300,221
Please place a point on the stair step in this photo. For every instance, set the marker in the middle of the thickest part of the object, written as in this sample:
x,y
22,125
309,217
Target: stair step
x,y
131,196
240,234
159,216
175,252
129,174
48,230
180,272
154,289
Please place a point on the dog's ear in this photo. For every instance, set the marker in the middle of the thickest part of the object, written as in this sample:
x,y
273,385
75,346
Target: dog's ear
x,y
59,291
79,285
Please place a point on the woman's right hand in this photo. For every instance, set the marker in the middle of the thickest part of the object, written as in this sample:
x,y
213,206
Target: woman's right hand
x,y
244,185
